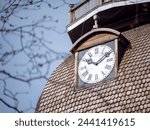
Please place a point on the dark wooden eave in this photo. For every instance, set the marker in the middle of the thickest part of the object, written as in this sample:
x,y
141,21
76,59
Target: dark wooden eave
x,y
120,18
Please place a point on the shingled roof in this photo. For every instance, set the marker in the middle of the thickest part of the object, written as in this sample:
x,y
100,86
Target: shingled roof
x,y
129,92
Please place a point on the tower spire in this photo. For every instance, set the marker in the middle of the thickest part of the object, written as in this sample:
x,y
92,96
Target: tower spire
x,y
95,18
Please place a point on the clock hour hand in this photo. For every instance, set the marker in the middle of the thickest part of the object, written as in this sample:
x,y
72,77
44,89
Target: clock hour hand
x,y
90,61
103,57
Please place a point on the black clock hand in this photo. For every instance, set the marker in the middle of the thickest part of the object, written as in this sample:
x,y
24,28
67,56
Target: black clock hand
x,y
100,60
103,57
90,61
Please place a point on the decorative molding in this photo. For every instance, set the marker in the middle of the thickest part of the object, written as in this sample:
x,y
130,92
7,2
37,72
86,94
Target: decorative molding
x,y
92,32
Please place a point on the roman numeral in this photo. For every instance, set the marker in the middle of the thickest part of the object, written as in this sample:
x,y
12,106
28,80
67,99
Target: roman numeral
x,y
96,50
83,59
108,67
103,73
110,59
82,68
89,77
96,76
85,73
102,51
90,54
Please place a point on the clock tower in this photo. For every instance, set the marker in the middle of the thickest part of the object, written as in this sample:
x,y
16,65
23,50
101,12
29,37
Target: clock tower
x,y
108,69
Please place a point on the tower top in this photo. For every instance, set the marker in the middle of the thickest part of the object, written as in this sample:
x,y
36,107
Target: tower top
x,y
109,14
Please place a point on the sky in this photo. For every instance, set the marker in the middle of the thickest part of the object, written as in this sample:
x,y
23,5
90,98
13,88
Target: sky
x,y
29,95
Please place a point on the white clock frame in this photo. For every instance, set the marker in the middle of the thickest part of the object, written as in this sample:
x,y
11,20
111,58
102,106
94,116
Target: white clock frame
x,y
104,80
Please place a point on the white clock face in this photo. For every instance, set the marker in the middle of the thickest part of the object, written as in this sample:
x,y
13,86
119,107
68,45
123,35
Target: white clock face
x,y
96,64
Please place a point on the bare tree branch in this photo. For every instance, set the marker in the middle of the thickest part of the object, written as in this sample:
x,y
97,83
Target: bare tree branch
x,y
30,46
21,79
12,107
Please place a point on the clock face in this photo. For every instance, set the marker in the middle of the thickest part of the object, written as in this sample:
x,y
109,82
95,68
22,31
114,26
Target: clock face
x,y
96,64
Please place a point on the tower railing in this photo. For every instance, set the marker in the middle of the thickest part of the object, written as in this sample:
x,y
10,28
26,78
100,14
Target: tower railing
x,y
85,6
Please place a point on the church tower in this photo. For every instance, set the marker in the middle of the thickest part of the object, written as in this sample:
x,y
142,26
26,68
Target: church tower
x,y
109,66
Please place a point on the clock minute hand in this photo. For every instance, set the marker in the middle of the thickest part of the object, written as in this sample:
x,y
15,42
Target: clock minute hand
x,y
103,57
100,60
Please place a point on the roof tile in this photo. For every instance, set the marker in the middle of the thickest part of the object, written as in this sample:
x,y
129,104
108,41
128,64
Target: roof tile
x,y
129,92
